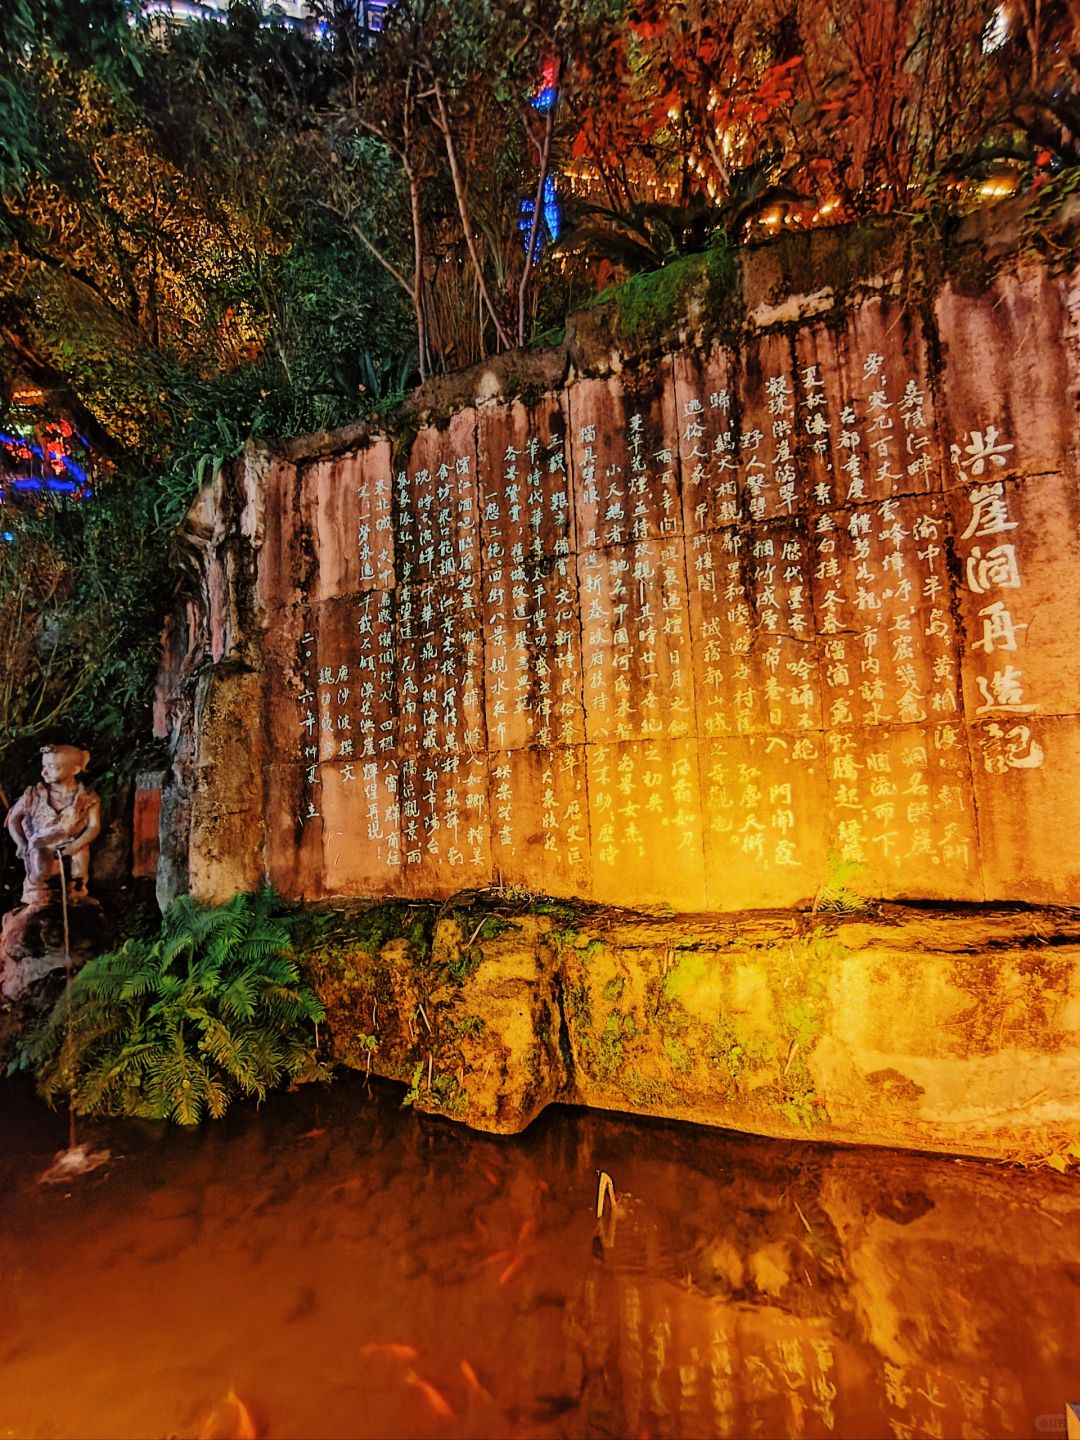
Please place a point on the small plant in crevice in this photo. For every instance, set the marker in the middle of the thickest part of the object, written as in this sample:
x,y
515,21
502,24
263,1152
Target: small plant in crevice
x,y
412,1094
835,895
178,1026
464,964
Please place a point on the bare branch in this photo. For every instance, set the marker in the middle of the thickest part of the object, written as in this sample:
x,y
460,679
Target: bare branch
x,y
443,122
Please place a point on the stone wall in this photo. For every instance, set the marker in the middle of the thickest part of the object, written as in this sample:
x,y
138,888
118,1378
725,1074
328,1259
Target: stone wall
x,y
928,1031
686,617
755,593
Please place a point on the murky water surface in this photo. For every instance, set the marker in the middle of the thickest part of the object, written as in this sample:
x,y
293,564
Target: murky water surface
x,y
355,1270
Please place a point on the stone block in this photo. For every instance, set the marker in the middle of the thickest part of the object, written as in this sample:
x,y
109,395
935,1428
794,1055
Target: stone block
x,y
347,508
1007,368
1028,813
762,800
540,820
146,824
624,458
635,642
902,812
227,807
526,504
645,823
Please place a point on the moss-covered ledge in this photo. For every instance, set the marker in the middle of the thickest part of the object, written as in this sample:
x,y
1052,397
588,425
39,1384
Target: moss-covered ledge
x,y
952,1030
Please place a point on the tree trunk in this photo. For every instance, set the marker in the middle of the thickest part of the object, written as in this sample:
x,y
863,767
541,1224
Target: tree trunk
x,y
534,228
463,211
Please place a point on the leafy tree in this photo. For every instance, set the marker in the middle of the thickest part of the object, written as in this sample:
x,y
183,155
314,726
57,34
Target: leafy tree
x,y
169,282
176,1027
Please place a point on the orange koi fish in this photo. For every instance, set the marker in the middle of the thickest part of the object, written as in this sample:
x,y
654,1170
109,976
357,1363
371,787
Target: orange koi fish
x,y
435,1401
472,1381
392,1351
518,1263
527,1231
497,1257
230,1419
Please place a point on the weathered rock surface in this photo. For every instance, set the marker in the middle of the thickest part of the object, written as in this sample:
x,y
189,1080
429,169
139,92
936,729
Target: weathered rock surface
x,y
770,561
926,1030
764,575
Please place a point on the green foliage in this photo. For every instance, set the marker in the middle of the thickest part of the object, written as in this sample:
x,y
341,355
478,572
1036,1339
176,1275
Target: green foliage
x,y
170,281
96,33
835,895
449,1095
678,1054
421,933
618,1028
687,971
464,964
649,235
800,1108
734,1051
647,305
178,1026
368,928
646,1090
412,1094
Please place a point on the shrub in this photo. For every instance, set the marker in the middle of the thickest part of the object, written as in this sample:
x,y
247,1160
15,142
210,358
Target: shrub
x,y
176,1027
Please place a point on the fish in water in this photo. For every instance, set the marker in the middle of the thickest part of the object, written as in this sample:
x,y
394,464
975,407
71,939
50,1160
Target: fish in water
x,y
473,1383
517,1264
392,1351
230,1419
435,1401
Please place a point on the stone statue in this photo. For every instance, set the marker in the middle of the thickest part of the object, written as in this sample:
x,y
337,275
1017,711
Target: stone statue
x,y
59,817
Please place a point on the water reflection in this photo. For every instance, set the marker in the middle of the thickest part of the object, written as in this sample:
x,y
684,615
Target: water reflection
x,y
355,1270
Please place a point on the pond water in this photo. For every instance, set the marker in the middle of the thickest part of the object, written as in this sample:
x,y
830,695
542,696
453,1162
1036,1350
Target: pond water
x,y
353,1269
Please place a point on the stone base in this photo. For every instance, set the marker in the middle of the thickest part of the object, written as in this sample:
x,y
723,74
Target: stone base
x,y
956,1031
32,942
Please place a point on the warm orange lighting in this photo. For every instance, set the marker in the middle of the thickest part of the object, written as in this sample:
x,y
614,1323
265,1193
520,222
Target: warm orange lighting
x,y
998,186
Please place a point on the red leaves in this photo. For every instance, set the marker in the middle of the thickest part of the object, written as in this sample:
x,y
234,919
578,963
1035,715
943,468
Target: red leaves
x,y
648,29
775,87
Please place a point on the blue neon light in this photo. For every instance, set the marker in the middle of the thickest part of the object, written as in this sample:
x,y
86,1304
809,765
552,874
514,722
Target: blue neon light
x,y
551,220
552,210
52,469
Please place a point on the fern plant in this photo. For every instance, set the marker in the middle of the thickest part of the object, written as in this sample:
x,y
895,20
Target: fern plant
x,y
178,1026
836,895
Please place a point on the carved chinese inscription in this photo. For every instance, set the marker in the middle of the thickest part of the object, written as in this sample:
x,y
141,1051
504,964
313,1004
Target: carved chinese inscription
x,y
695,635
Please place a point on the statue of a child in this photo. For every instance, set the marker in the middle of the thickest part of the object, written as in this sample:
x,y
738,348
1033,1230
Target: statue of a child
x,y
59,814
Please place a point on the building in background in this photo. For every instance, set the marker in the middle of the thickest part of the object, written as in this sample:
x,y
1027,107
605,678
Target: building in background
x,y
297,13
